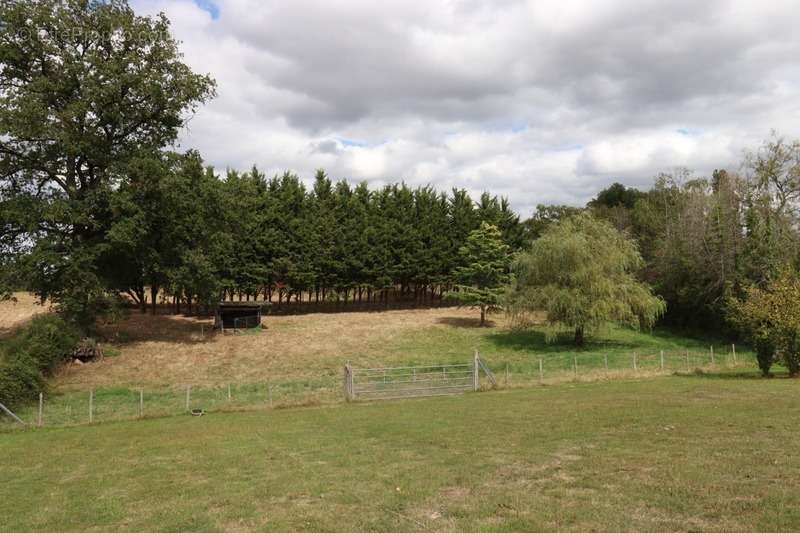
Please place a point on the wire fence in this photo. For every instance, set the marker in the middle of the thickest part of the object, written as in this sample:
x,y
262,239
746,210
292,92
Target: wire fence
x,y
67,408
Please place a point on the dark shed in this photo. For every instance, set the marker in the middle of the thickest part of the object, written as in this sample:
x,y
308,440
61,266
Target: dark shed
x,y
237,315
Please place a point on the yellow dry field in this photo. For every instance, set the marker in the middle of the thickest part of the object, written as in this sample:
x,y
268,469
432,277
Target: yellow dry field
x,y
18,310
172,350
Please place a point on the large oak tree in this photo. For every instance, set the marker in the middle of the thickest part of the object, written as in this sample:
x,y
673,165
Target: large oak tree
x,y
85,87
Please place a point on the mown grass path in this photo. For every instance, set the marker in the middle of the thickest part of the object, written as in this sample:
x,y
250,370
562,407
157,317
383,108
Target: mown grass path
x,y
671,454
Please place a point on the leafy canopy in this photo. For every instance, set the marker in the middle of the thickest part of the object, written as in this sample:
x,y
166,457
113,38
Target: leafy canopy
x,y
85,86
485,272
581,273
770,318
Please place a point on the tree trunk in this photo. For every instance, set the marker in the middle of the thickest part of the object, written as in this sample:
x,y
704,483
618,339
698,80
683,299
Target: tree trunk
x,y
579,339
153,295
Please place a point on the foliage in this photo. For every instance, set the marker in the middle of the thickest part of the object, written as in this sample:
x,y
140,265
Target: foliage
x,y
85,87
484,274
770,317
32,354
582,273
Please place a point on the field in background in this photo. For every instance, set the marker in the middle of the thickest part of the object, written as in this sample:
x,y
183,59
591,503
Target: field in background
x,y
170,350
297,360
701,453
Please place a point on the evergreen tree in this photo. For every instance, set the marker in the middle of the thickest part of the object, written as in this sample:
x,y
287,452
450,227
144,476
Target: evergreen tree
x,y
484,274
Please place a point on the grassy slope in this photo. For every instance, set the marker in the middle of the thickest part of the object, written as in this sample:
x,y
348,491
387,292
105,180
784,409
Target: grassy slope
x,y
673,453
167,350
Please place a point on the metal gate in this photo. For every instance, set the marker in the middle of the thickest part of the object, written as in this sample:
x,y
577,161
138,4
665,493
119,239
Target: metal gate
x,y
412,381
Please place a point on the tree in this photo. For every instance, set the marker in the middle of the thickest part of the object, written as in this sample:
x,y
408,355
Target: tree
x,y
582,273
481,281
770,318
85,86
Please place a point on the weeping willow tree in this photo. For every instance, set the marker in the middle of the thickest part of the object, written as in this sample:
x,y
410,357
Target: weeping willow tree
x,y
581,273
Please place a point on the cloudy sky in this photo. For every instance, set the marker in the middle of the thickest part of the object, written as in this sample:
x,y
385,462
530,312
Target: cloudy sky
x,y
541,101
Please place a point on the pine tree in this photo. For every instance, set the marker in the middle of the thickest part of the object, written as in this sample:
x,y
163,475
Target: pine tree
x,y
484,274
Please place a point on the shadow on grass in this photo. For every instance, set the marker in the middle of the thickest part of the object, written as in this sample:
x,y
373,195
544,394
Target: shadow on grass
x,y
751,374
137,327
531,339
464,322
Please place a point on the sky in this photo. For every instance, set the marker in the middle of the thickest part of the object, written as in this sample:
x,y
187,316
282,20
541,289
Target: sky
x,y
539,101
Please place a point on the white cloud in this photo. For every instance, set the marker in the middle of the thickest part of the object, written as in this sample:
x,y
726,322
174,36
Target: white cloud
x,y
542,101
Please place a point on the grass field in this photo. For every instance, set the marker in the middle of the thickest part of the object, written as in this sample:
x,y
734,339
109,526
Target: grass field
x,y
299,359
703,453
167,350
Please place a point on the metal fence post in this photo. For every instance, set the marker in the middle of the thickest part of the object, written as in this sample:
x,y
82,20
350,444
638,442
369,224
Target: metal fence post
x,y
733,349
605,362
475,375
712,354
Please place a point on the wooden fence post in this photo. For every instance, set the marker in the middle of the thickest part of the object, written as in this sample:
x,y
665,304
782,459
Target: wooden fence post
x,y
41,408
712,354
662,359
688,369
229,392
141,403
575,363
635,367
269,393
91,406
733,349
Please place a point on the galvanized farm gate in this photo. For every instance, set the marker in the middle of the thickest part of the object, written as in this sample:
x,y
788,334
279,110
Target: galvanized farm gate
x,y
387,383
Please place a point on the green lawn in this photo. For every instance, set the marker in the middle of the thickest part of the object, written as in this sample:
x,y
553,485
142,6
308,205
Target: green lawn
x,y
521,350
700,453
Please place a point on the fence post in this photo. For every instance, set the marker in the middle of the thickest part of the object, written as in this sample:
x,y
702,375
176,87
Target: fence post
x,y
348,381
229,392
635,367
688,369
575,363
712,354
605,363
141,403
662,359
506,374
733,349
269,392
188,396
91,406
475,375
541,372
41,406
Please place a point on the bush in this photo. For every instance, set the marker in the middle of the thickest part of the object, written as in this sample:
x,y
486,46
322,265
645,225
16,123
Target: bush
x,y
34,352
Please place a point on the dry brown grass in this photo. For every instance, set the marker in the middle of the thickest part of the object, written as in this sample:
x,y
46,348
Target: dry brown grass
x,y
17,311
168,349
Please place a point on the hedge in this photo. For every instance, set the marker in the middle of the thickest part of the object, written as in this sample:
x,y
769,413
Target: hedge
x,y
31,355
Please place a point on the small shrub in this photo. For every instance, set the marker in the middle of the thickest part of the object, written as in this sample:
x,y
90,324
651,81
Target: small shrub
x,y
35,351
